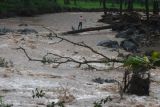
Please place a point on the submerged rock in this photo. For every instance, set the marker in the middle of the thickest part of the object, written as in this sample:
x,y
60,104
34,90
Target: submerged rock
x,y
108,43
4,30
101,81
23,24
27,31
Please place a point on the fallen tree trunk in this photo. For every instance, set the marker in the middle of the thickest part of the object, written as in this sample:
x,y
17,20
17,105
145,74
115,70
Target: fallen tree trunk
x,y
88,29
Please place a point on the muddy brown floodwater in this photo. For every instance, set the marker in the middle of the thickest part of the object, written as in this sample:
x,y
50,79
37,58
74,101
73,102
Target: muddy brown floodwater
x,y
18,82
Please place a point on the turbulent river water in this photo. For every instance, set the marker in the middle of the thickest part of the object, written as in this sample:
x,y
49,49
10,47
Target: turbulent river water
x,y
18,81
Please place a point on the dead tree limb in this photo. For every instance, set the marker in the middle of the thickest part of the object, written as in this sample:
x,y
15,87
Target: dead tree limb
x,y
81,44
29,58
87,29
58,59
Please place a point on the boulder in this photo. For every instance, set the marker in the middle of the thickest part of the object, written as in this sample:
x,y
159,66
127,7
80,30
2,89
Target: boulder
x,y
108,43
126,34
118,26
131,17
129,45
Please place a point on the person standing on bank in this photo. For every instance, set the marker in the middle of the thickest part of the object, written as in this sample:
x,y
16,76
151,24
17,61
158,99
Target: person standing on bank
x,y
81,19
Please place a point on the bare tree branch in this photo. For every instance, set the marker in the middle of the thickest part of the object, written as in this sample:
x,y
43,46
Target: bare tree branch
x,y
59,59
29,58
81,44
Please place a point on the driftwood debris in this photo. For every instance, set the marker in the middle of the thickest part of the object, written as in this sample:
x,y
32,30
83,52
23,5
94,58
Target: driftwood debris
x,y
88,29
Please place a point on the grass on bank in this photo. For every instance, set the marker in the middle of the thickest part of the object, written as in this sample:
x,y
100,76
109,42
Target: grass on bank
x,y
32,7
96,5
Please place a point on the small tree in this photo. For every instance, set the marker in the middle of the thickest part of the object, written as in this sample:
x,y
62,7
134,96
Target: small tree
x,y
147,9
104,7
155,7
137,76
120,9
130,5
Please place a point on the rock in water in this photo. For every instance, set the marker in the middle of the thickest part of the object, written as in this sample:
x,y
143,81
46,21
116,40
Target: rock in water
x,y
101,81
98,80
129,45
26,31
23,24
2,33
108,43
4,30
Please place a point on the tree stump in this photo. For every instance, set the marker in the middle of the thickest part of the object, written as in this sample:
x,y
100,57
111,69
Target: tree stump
x,y
139,84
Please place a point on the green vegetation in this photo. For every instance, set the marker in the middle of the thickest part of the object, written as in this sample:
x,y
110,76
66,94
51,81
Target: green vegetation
x,y
3,62
138,67
27,7
37,93
59,104
2,104
80,4
32,7
96,5
102,101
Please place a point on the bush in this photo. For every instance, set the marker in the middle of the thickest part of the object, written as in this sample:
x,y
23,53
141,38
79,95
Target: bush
x,y
27,7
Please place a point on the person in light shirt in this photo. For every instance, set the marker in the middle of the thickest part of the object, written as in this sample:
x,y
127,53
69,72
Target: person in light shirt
x,y
81,19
